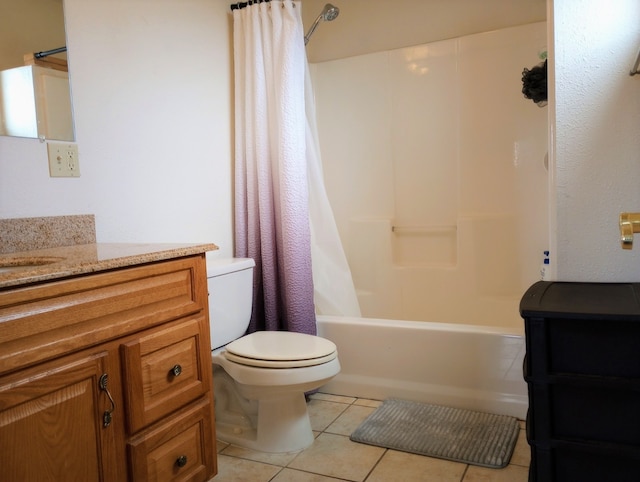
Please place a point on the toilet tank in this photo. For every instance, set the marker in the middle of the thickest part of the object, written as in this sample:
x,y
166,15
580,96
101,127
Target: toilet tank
x,y
230,285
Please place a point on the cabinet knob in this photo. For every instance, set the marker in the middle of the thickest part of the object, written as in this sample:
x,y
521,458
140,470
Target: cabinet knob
x,y
181,461
176,370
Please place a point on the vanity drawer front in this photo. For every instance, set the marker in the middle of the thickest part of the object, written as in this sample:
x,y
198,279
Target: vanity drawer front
x,y
167,368
180,449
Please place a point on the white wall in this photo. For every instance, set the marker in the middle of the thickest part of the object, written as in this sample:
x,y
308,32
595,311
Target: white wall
x,y
151,88
597,138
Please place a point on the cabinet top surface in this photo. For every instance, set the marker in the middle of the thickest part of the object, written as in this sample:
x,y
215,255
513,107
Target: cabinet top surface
x,y
26,267
582,300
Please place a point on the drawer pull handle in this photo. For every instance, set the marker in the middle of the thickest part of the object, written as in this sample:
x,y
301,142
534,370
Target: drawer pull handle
x,y
176,370
181,461
107,415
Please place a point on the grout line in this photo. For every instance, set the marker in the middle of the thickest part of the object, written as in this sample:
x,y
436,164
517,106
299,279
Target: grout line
x,y
274,476
375,465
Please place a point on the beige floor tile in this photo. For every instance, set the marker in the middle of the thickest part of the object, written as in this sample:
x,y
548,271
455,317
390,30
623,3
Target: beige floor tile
x,y
220,445
407,467
232,469
349,420
333,398
365,402
280,459
322,414
336,456
522,451
511,473
290,475
333,457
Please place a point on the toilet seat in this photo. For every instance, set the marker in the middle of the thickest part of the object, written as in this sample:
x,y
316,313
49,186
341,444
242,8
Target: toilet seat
x,y
280,349
259,363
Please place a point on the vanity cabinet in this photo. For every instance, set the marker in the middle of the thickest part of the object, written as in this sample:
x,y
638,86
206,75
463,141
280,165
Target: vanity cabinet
x,y
107,377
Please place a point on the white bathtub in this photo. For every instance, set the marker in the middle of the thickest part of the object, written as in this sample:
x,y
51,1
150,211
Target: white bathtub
x,y
464,366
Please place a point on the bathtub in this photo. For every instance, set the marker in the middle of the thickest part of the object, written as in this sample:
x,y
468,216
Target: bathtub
x,y
464,366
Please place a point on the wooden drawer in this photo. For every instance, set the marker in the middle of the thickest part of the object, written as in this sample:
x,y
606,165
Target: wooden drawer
x,y
166,368
182,449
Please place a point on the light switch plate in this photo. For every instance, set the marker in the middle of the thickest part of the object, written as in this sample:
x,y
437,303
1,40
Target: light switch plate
x,y
63,159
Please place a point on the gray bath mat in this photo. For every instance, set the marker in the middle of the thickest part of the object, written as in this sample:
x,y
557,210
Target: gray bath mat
x,y
448,433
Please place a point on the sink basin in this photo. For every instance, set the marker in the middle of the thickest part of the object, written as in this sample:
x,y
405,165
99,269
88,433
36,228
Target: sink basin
x,y
26,262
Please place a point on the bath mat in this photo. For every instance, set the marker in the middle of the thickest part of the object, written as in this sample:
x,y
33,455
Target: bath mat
x,y
448,433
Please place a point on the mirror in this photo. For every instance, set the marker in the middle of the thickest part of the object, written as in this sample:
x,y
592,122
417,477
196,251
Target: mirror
x,y
35,100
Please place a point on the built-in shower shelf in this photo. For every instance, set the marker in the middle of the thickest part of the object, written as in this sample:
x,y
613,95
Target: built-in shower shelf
x,y
424,245
424,229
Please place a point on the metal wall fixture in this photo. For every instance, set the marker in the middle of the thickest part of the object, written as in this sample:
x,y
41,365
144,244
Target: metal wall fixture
x,y
329,13
629,224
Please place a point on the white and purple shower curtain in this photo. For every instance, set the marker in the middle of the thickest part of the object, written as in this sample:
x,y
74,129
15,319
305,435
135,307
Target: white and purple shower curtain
x,y
271,192
279,188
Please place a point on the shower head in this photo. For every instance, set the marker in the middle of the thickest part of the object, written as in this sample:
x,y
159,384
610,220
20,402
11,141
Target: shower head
x,y
329,13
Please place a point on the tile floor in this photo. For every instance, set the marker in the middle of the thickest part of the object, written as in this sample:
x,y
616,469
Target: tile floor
x,y
333,457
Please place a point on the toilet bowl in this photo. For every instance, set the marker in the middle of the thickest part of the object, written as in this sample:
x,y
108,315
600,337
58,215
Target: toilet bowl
x,y
260,379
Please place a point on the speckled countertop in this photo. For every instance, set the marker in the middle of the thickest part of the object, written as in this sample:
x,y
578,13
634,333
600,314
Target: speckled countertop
x,y
63,261
26,234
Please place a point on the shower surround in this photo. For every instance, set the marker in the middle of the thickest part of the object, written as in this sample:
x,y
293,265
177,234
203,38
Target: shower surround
x,y
434,163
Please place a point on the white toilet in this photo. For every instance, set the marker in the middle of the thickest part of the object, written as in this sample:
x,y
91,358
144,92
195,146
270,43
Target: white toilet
x,y
260,379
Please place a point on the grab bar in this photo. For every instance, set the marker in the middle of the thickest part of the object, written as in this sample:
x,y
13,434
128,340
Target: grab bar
x,y
424,229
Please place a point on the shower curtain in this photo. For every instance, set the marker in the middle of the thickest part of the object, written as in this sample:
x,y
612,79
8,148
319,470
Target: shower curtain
x,y
272,193
335,293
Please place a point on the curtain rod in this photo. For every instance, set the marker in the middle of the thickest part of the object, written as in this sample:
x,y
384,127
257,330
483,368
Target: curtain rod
x,y
46,53
238,6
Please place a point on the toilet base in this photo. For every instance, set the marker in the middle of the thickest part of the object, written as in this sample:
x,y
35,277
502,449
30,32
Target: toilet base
x,y
276,422
283,426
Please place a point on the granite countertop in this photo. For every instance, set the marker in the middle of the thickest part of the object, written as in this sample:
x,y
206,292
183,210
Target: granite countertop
x,y
63,261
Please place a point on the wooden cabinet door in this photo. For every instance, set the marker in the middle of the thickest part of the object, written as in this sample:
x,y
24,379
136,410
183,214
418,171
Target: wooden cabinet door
x,y
51,423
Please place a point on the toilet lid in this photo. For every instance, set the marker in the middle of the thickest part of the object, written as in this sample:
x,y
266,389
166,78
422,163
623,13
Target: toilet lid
x,y
280,349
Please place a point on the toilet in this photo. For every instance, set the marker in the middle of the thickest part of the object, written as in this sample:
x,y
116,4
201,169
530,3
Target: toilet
x,y
260,379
